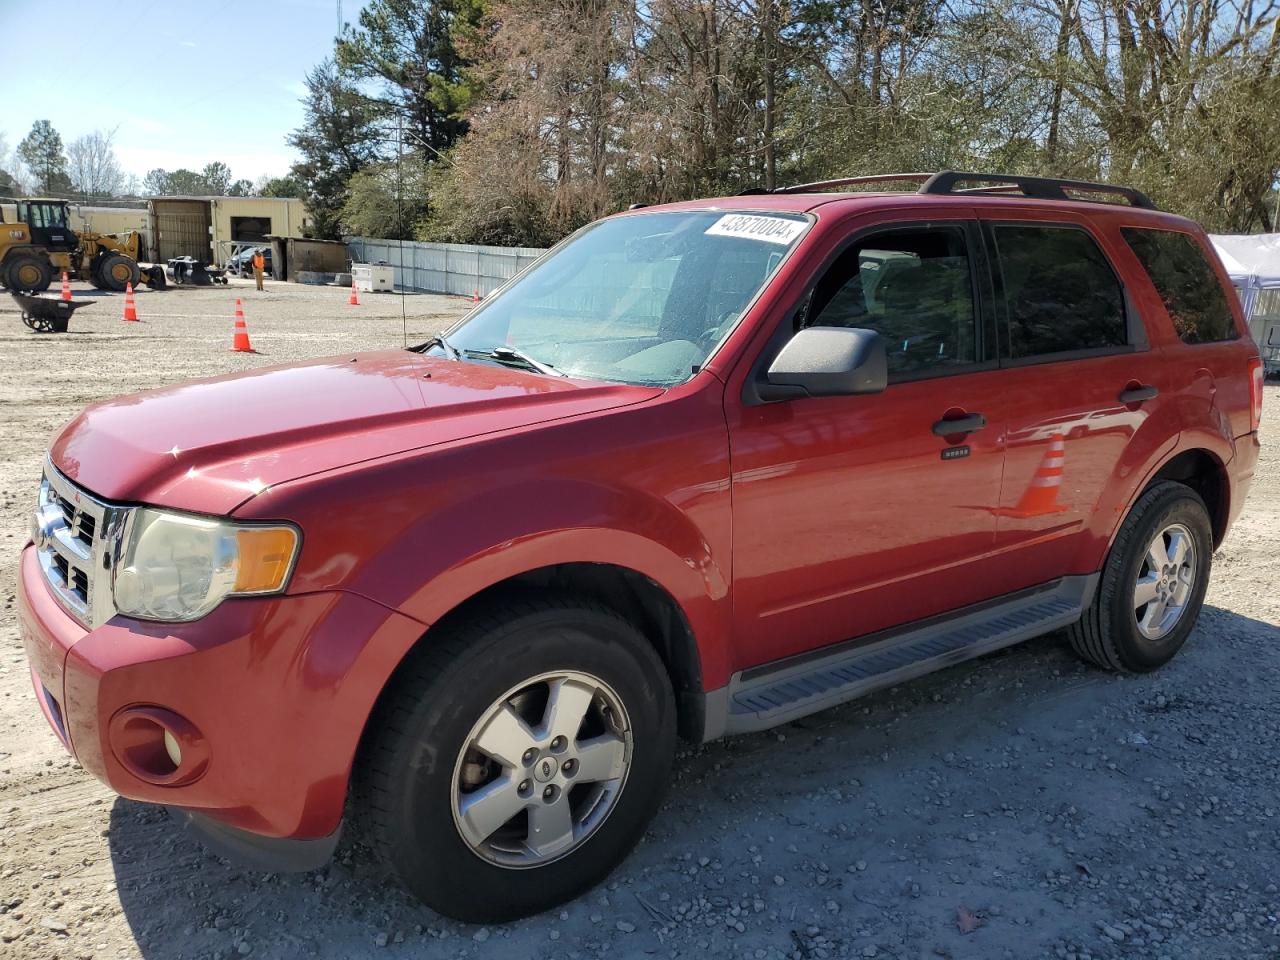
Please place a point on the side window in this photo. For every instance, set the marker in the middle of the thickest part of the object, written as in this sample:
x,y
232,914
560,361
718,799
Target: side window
x,y
1192,295
914,287
1060,292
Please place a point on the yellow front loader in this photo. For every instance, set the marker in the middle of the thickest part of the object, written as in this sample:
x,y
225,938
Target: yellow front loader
x,y
41,245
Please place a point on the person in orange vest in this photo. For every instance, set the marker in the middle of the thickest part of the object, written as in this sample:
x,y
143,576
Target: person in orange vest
x,y
259,264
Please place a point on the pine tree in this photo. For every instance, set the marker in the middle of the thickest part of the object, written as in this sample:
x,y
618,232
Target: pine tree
x,y
41,151
339,138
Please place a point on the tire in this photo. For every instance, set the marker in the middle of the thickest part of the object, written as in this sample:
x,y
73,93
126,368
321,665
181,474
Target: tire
x,y
95,274
118,271
27,273
416,768
1115,633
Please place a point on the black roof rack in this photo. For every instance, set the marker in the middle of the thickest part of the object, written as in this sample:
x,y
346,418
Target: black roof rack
x,y
946,182
855,181
1041,188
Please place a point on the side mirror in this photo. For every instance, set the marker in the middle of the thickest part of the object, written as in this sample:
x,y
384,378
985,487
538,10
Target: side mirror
x,y
827,362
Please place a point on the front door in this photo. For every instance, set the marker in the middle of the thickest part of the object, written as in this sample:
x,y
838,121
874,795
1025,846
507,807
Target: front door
x,y
854,514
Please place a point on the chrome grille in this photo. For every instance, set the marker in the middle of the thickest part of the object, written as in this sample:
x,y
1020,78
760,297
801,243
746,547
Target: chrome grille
x,y
82,525
76,546
73,578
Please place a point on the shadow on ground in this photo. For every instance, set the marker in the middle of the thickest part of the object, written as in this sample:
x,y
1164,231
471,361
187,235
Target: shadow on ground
x,y
1025,788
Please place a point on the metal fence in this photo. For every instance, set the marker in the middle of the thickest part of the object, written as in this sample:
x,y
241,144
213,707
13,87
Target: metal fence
x,y
459,268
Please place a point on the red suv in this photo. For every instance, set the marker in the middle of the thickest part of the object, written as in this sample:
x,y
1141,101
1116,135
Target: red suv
x,y
702,469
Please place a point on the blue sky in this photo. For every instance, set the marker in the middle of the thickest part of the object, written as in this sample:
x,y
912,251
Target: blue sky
x,y
163,72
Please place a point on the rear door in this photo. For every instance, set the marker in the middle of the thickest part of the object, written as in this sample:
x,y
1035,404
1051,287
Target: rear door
x,y
853,514
1210,358
1082,384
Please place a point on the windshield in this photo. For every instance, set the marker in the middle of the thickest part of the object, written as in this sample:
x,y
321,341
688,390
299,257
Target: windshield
x,y
638,299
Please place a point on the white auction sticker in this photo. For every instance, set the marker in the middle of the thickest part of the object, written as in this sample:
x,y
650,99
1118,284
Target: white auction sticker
x,y
755,227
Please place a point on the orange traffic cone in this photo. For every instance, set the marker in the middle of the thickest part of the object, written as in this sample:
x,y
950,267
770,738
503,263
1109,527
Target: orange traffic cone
x,y
66,286
130,308
1041,495
353,299
475,295
241,342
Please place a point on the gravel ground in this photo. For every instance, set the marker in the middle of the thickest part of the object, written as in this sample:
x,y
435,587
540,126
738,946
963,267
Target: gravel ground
x,y
1020,806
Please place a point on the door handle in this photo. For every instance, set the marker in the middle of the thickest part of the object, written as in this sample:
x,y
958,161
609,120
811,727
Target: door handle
x,y
970,424
1138,394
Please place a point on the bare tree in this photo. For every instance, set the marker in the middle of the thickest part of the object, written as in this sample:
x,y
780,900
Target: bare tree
x,y
576,108
92,164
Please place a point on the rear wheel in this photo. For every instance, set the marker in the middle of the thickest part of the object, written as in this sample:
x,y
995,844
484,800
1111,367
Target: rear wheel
x,y
27,272
515,763
118,271
1153,585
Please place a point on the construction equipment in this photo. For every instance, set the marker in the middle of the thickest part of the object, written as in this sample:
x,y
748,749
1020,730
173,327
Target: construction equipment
x,y
188,270
41,244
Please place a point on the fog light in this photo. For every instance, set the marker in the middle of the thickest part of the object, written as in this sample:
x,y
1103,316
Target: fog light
x,y
158,746
172,749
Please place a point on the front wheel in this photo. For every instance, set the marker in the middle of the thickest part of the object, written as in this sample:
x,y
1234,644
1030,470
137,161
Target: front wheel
x,y
94,274
118,271
516,761
1153,585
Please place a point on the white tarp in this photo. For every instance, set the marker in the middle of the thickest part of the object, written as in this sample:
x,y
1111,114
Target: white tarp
x,y
1253,263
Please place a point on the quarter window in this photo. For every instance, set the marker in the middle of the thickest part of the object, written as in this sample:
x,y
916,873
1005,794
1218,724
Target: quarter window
x,y
913,287
1192,295
1060,292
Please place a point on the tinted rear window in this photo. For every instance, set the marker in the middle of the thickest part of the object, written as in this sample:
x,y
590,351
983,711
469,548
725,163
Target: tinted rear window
x,y
1059,290
1181,274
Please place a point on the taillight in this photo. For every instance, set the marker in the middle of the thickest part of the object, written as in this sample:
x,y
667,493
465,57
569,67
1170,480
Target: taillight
x,y
1255,393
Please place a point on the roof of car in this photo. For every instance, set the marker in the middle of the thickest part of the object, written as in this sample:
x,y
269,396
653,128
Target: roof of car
x,y
947,188
864,200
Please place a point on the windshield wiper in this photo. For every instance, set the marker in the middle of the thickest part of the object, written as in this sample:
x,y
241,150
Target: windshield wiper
x,y
506,353
438,340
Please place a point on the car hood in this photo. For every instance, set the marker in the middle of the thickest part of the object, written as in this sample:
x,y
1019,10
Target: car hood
x,y
208,445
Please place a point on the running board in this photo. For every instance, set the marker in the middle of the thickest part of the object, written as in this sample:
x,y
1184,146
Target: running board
x,y
764,697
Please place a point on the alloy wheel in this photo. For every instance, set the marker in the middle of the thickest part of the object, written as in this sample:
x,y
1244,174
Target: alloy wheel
x,y
1165,581
541,769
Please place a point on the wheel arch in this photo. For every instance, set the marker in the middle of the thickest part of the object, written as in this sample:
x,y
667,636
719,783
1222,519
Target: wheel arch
x,y
23,248
1204,473
1196,464
630,593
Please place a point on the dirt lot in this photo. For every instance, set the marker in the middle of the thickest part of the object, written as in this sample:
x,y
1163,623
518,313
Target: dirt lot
x,y
1019,806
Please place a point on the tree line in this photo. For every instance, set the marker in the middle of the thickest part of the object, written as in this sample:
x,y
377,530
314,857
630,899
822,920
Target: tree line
x,y
87,169
515,121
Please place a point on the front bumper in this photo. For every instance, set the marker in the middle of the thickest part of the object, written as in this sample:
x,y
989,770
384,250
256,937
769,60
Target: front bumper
x,y
276,689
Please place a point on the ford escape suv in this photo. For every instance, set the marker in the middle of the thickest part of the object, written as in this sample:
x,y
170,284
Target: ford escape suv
x,y
702,469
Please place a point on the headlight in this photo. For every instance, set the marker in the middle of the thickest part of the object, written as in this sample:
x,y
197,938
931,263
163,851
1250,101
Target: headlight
x,y
176,566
